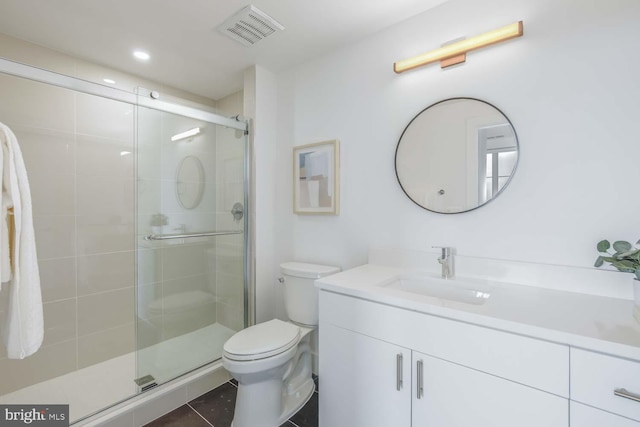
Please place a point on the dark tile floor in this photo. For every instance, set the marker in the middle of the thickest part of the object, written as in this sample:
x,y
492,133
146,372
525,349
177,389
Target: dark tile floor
x,y
215,408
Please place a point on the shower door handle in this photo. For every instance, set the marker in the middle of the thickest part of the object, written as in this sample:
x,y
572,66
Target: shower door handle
x,y
187,235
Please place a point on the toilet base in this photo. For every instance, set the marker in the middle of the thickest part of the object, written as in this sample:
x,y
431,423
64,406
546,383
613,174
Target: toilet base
x,y
292,403
295,401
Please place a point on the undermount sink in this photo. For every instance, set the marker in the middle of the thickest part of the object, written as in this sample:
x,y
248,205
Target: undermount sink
x,y
468,291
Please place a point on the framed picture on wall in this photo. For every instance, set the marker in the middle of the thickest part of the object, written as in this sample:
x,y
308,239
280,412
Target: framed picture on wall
x,y
316,182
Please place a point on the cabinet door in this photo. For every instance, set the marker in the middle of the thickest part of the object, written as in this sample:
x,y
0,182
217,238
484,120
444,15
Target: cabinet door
x,y
359,381
456,396
586,416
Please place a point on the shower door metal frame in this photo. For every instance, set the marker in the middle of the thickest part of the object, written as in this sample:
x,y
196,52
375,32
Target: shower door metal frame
x,y
143,98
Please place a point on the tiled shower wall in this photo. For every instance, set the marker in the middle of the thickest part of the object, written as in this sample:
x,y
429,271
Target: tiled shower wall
x,y
77,150
83,206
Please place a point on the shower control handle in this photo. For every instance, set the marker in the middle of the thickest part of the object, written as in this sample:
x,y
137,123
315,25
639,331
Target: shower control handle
x,y
237,211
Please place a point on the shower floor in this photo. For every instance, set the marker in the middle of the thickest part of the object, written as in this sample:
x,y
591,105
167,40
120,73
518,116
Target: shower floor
x,y
96,387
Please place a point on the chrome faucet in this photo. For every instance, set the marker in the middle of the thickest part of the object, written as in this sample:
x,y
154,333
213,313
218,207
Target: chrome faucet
x,y
447,262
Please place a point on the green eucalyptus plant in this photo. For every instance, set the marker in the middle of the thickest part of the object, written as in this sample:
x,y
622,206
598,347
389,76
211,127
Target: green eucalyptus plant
x,y
626,258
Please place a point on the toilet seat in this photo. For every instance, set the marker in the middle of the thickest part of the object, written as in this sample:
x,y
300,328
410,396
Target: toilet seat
x,y
262,341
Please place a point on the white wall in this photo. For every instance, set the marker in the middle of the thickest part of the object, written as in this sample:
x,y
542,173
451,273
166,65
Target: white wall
x,y
260,91
569,86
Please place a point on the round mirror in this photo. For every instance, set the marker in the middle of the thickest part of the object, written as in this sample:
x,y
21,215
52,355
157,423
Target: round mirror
x,y
190,182
456,155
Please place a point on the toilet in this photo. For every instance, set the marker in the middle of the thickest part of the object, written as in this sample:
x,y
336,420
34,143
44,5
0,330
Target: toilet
x,y
272,360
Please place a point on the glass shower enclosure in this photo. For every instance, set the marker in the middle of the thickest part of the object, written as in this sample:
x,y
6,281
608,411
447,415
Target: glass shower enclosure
x,y
190,242
139,215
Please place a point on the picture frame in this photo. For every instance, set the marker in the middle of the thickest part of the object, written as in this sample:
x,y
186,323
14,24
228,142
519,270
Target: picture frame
x,y
316,178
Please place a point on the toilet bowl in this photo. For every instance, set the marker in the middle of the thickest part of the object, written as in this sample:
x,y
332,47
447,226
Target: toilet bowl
x,y
272,360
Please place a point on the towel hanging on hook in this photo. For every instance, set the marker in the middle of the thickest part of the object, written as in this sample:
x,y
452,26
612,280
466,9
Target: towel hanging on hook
x,y
23,327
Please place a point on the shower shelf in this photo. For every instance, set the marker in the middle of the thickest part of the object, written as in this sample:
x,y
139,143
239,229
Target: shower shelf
x,y
188,235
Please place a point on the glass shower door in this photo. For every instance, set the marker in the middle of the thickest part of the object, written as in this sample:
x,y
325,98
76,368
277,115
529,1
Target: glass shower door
x,y
190,292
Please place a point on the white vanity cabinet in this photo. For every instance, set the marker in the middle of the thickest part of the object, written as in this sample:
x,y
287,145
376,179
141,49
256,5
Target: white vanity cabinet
x,y
448,374
586,416
364,381
455,395
599,384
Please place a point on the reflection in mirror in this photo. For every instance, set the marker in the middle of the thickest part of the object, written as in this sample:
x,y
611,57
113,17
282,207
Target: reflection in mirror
x,y
190,182
456,155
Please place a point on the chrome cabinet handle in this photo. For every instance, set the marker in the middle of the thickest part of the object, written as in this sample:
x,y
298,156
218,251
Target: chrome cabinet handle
x,y
420,383
399,371
621,392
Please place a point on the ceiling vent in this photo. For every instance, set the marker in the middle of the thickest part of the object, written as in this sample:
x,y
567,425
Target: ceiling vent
x,y
250,25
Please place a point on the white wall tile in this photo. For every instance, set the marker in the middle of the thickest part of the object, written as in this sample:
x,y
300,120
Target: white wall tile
x,y
98,312
105,195
103,156
36,104
105,345
57,278
149,202
104,233
186,284
104,117
52,193
46,151
149,266
148,299
55,235
230,289
59,321
183,260
105,272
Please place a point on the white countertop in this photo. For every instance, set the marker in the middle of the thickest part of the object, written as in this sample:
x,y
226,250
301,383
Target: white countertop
x,y
591,322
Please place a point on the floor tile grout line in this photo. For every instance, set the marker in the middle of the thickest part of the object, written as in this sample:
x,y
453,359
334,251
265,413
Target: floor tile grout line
x,y
199,414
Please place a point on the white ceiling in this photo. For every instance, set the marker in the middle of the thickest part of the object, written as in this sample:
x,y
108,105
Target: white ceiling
x,y
187,51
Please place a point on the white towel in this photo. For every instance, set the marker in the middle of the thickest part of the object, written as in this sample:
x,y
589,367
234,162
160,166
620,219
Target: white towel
x,y
23,326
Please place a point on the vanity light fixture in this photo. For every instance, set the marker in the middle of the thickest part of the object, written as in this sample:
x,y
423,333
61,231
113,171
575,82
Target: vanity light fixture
x,y
186,134
455,53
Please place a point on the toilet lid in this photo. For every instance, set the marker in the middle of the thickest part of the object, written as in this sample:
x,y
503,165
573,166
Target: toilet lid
x,y
262,340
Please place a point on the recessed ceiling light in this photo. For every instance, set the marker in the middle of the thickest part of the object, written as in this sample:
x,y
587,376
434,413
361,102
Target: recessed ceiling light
x,y
111,82
141,55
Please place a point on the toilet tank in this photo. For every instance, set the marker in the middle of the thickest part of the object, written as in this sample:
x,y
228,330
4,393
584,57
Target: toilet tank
x,y
300,293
